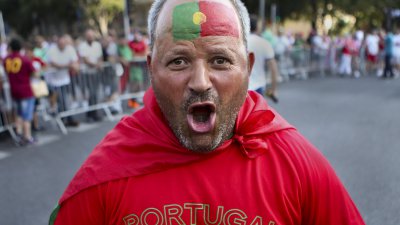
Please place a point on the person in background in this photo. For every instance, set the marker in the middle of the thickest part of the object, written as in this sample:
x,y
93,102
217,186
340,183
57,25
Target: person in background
x,y
91,54
269,35
357,59
389,44
138,44
62,58
381,54
39,65
265,59
299,56
282,46
19,70
396,51
348,49
372,51
41,47
125,58
139,49
109,48
110,80
3,49
204,149
281,49
319,50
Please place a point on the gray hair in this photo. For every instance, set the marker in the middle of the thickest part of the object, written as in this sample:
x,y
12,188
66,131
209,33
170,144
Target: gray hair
x,y
158,5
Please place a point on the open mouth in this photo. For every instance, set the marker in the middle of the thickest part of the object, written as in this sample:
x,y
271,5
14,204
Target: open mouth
x,y
201,117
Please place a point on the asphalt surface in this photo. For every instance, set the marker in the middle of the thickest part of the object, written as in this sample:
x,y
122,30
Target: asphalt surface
x,y
354,122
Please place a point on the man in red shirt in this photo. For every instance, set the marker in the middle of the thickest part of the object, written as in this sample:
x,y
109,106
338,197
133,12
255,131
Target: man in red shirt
x,y
19,70
204,150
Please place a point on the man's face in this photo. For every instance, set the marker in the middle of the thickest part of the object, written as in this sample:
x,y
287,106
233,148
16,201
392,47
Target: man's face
x,y
62,42
89,36
199,83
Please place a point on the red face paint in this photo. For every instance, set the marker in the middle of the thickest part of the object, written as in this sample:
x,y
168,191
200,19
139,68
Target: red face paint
x,y
204,18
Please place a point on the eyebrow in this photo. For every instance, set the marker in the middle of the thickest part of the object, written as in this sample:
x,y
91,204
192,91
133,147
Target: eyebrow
x,y
178,51
220,50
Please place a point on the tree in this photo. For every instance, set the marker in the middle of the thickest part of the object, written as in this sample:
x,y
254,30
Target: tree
x,y
368,13
59,16
56,17
102,12
27,16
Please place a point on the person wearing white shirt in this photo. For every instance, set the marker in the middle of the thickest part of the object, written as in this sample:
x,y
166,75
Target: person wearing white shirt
x,y
90,51
91,54
396,50
264,56
62,58
372,47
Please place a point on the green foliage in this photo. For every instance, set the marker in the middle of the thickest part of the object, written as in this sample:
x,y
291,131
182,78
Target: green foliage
x,y
368,13
100,7
339,28
102,12
26,15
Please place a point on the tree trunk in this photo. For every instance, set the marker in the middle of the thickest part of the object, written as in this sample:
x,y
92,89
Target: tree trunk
x,y
314,14
103,24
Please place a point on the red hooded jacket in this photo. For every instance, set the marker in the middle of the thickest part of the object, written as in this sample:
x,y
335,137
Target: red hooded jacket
x,y
267,173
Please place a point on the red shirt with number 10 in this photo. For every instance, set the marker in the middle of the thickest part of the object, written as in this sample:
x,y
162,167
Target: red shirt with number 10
x,y
19,70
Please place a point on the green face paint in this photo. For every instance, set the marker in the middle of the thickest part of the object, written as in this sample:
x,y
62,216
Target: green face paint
x,y
183,27
204,18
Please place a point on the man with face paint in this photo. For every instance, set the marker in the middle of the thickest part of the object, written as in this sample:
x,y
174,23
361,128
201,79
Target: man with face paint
x,y
204,150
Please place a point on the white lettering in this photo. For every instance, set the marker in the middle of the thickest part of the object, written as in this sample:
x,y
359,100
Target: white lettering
x,y
173,212
232,213
151,211
193,207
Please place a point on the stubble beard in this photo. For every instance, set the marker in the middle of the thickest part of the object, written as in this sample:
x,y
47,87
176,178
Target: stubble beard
x,y
224,130
226,118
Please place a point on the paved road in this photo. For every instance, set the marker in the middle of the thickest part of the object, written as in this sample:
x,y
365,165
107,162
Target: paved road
x,y
355,123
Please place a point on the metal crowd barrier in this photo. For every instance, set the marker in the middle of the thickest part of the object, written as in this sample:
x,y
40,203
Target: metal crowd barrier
x,y
124,89
92,90
89,90
300,63
6,107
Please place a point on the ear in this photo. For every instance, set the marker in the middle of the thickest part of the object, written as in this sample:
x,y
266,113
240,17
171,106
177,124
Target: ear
x,y
149,68
251,59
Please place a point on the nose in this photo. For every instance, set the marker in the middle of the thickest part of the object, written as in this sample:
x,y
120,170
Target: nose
x,y
200,78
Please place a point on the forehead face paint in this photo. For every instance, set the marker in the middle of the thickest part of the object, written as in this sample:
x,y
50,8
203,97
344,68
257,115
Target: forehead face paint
x,y
204,18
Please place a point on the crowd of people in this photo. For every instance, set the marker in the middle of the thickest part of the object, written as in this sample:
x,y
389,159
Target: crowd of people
x,y
373,52
57,61
60,63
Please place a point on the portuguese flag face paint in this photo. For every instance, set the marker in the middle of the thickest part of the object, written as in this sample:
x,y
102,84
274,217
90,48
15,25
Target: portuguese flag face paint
x,y
204,18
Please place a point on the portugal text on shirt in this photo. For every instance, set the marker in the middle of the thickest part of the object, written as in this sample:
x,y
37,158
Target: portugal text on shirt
x,y
198,213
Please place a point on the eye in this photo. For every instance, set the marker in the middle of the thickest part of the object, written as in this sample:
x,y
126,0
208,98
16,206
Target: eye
x,y
178,63
220,62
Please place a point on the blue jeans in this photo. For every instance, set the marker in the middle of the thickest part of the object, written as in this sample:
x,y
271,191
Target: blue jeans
x,y
25,108
260,91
